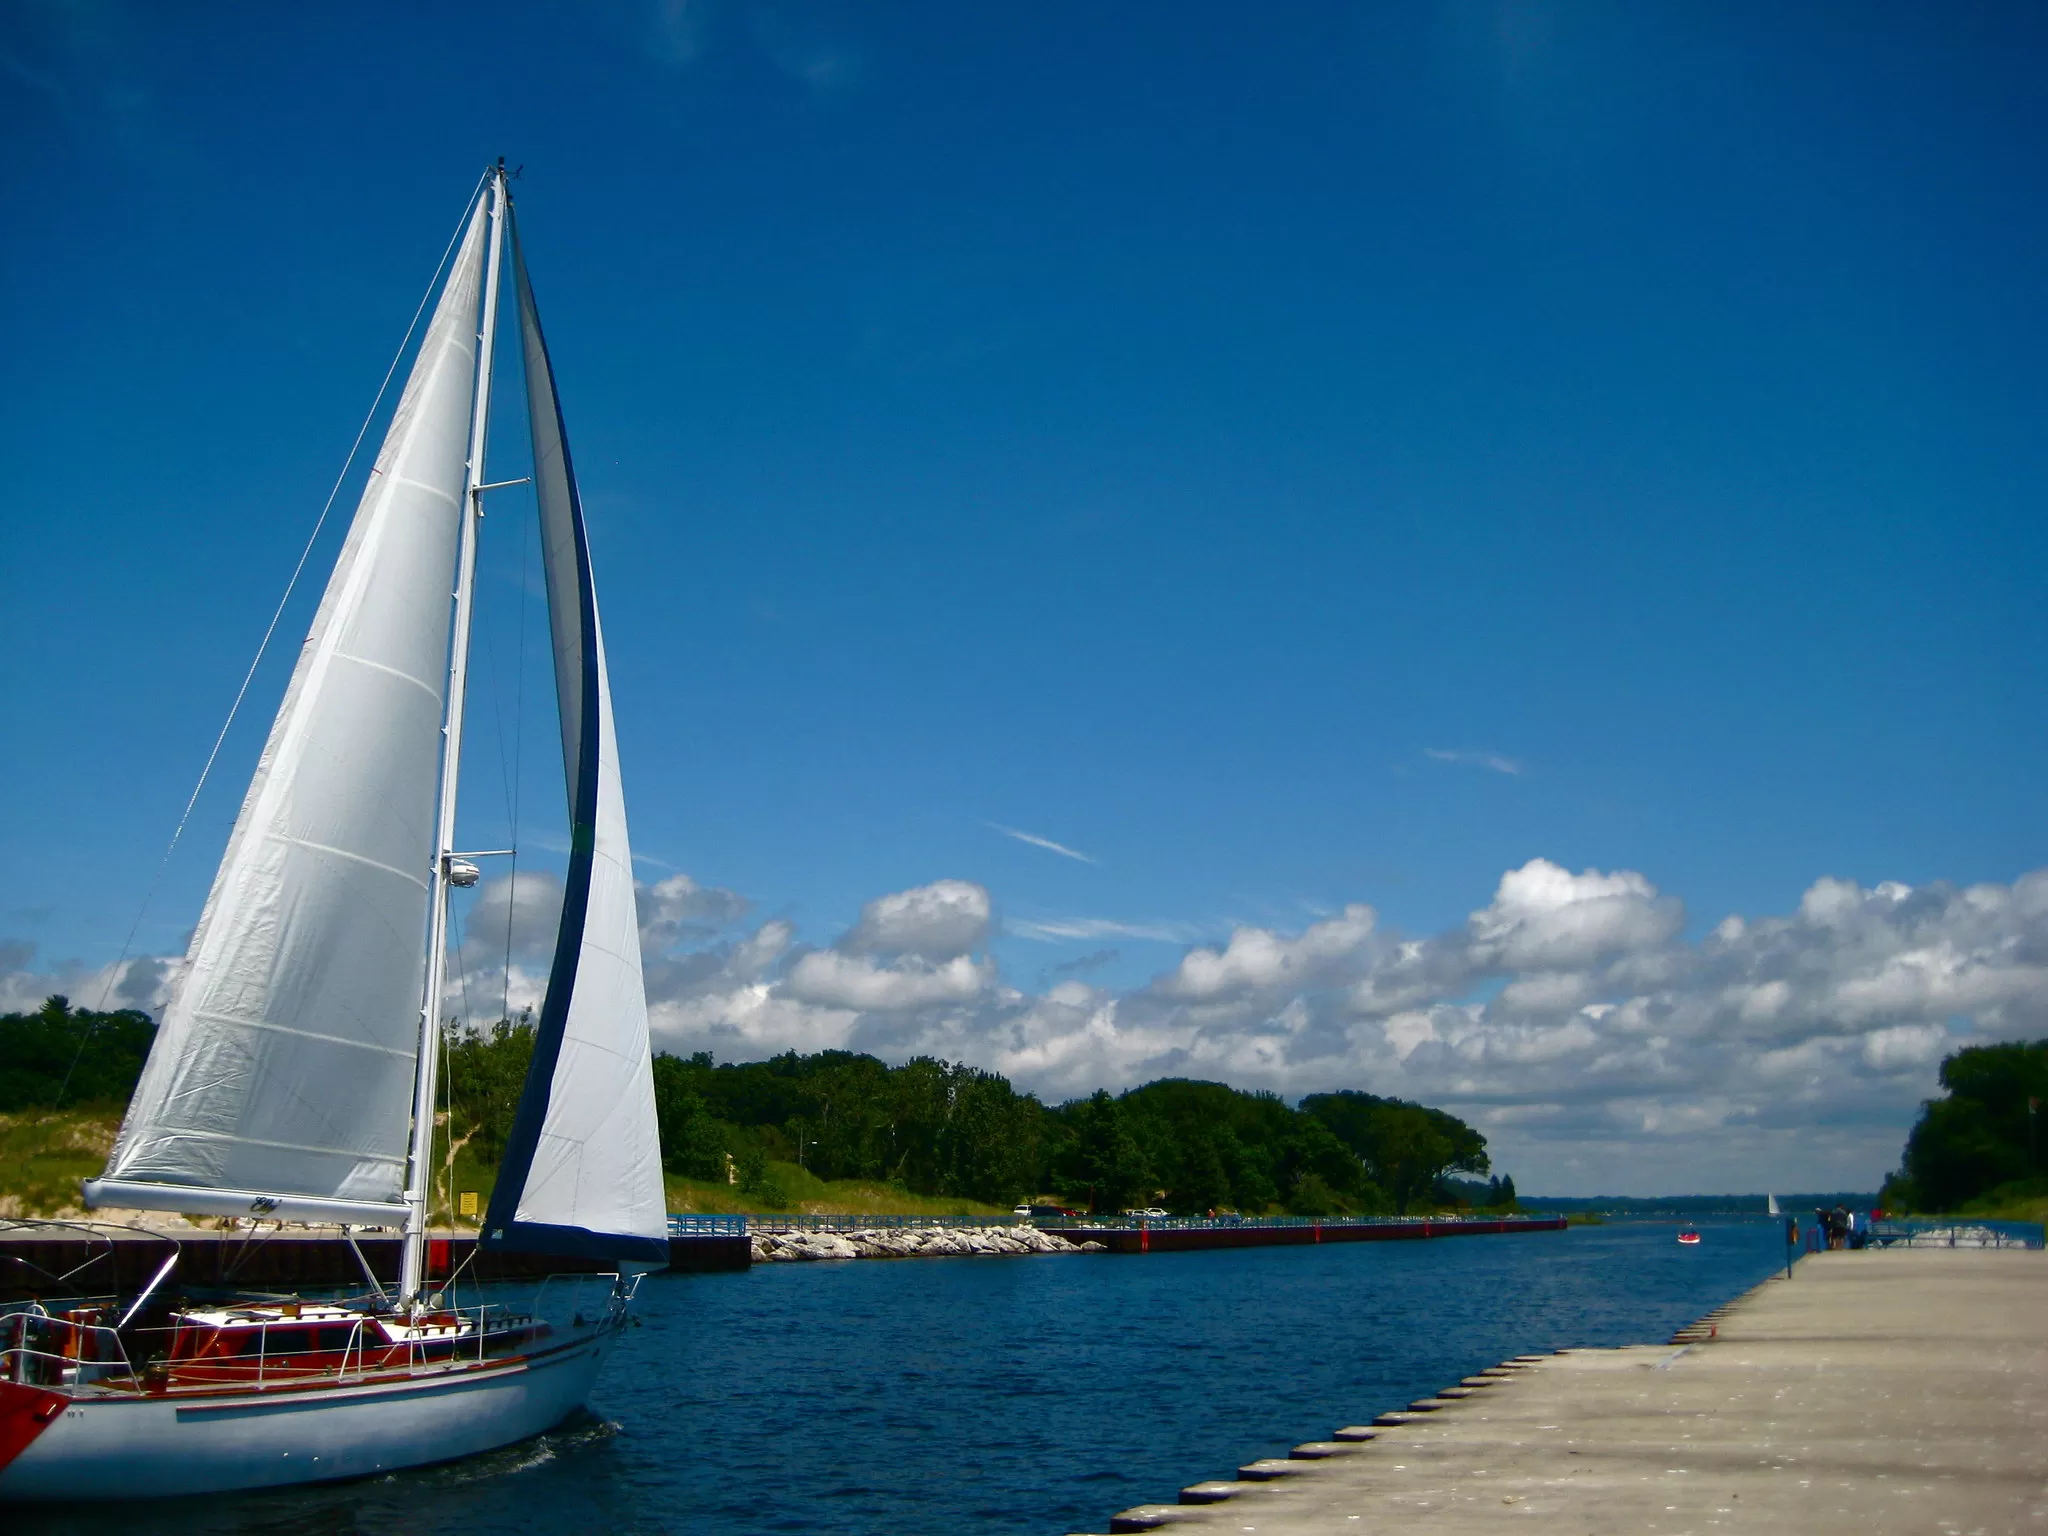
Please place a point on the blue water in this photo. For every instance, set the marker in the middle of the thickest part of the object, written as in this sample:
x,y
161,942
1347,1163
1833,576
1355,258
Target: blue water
x,y
1028,1395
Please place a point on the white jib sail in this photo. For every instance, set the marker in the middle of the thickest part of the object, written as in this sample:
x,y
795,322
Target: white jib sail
x,y
582,1171
281,1077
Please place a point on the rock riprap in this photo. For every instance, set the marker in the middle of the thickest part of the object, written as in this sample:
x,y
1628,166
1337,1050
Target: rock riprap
x,y
910,1243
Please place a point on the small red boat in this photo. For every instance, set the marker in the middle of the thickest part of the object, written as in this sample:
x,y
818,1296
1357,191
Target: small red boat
x,y
1689,1236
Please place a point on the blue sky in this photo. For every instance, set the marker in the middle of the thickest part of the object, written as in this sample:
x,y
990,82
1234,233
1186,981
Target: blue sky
x,y
1301,461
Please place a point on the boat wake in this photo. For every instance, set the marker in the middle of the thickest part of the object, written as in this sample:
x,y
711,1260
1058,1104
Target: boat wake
x,y
582,1430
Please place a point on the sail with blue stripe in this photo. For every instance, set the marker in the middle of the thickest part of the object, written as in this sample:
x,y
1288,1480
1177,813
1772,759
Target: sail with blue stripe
x,y
582,1170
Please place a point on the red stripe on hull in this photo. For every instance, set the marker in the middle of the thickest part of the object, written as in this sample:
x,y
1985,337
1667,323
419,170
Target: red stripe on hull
x,y
25,1412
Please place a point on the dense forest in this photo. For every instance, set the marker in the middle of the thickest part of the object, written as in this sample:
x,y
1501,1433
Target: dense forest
x,y
941,1128
65,1057
931,1127
1980,1142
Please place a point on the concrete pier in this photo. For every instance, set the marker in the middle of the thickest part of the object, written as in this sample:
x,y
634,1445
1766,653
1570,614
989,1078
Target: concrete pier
x,y
1872,1392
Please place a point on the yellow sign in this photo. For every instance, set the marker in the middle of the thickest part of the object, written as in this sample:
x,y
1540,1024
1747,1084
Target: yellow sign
x,y
466,1203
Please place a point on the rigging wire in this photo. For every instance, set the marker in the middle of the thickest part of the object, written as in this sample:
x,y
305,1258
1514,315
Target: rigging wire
x,y
128,944
518,748
447,1075
508,762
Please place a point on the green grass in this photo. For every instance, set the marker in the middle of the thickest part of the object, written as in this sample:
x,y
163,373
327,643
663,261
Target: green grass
x,y
44,1153
807,1193
810,1194
2021,1200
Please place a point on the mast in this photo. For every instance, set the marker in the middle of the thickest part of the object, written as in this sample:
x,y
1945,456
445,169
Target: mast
x,y
419,1162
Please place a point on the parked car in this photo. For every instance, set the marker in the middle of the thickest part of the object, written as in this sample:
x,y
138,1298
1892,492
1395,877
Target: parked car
x,y
1044,1212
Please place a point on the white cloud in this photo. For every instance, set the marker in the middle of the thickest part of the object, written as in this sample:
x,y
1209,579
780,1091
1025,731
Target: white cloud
x,y
858,981
937,921
1543,917
1259,960
516,911
1911,1045
143,982
1568,1018
669,908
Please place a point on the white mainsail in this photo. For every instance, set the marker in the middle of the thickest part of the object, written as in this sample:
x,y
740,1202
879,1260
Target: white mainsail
x,y
281,1077
582,1167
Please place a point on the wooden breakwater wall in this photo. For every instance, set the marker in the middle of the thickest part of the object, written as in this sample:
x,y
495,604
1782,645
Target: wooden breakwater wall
x,y
1182,1237
42,1266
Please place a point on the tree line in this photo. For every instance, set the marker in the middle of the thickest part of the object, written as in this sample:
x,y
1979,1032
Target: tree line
x,y
933,1127
60,1057
944,1128
1982,1140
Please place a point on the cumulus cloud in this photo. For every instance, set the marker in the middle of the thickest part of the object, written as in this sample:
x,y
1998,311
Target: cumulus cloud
x,y
1570,1016
678,905
142,983
936,921
908,957
1259,961
1543,917
518,911
858,981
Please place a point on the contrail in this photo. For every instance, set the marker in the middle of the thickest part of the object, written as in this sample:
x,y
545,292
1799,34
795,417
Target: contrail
x,y
1043,842
1491,760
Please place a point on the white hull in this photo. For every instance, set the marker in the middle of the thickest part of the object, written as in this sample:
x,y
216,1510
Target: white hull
x,y
151,1447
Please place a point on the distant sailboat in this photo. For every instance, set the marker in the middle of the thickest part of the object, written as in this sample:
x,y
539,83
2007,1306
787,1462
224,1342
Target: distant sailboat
x,y
293,1075
1771,1205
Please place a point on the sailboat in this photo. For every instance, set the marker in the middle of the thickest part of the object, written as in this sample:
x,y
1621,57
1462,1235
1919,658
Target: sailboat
x,y
1771,1205
293,1075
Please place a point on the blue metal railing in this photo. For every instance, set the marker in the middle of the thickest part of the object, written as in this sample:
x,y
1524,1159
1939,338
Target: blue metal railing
x,y
1203,1223
852,1222
707,1226
1959,1233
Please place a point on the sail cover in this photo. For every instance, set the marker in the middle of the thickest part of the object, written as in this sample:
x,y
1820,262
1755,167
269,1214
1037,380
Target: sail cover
x,y
582,1168
281,1077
